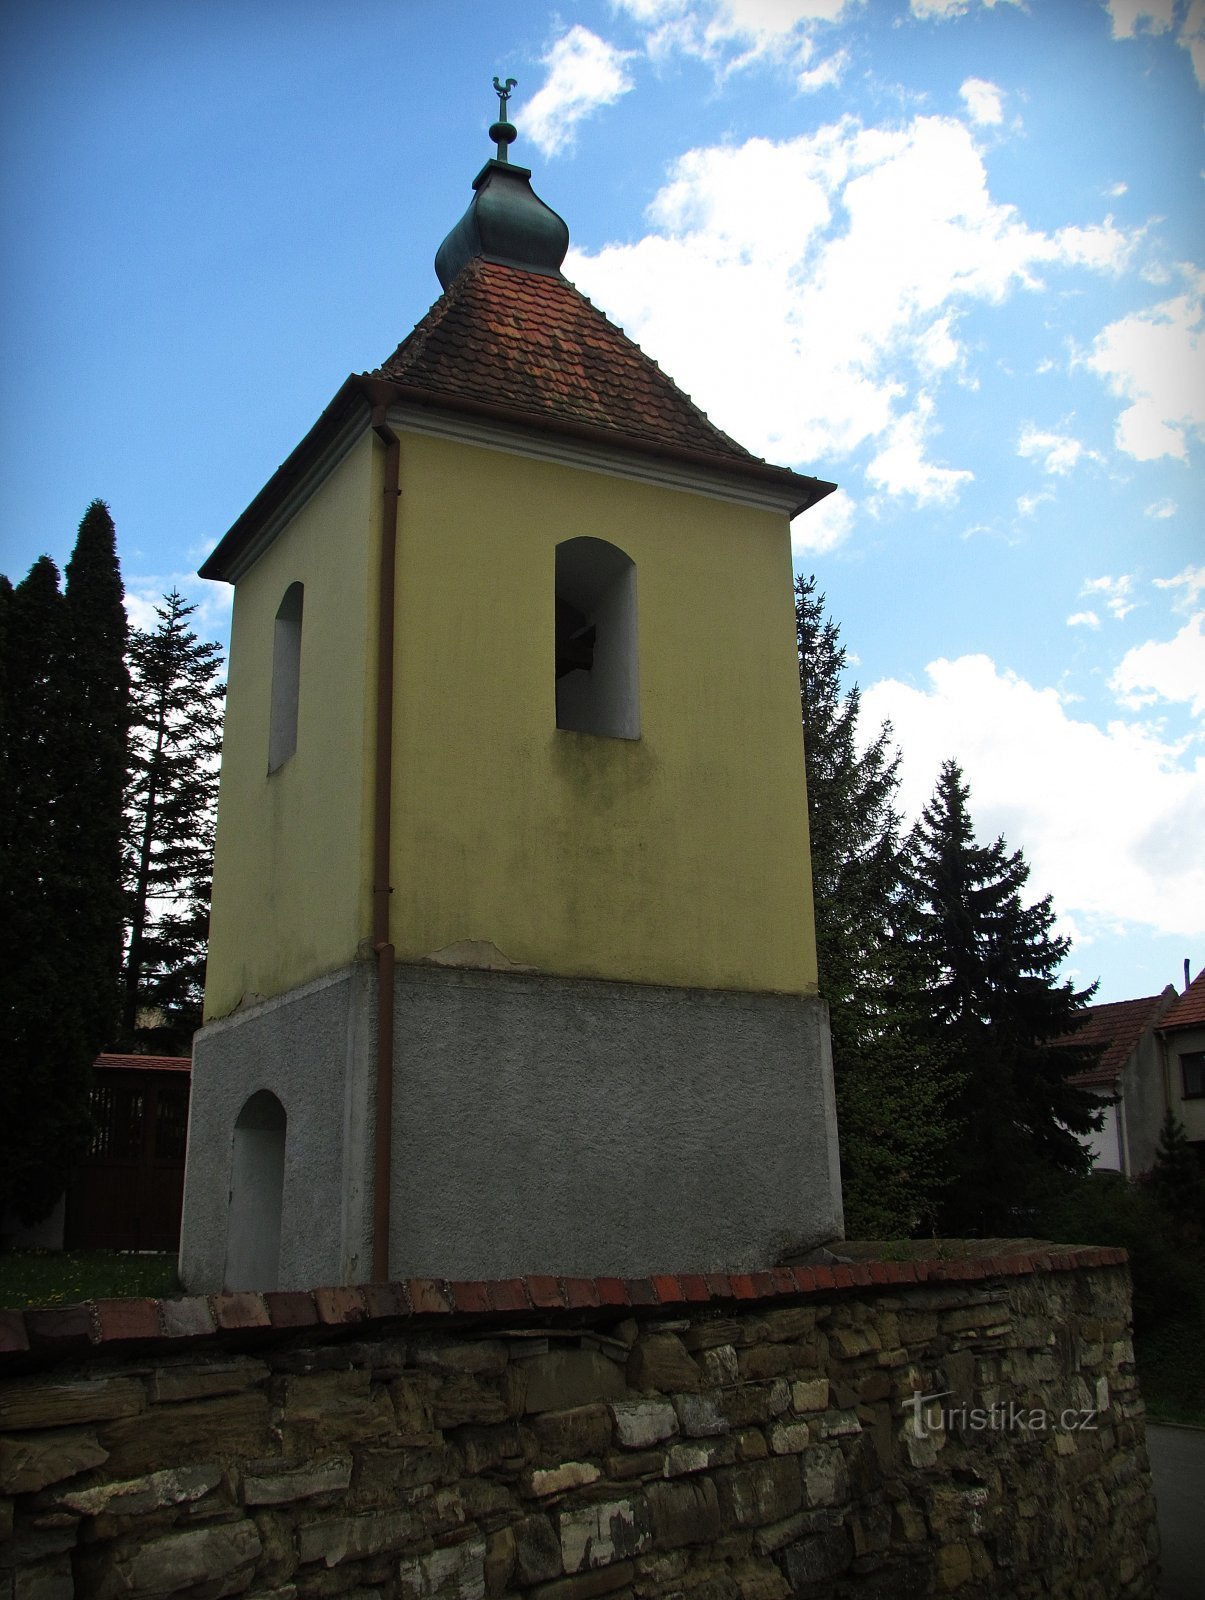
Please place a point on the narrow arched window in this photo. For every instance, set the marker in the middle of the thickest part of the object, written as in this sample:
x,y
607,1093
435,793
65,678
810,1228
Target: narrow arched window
x,y
286,678
597,687
257,1175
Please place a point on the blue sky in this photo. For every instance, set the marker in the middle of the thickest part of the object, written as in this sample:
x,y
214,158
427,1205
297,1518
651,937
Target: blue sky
x,y
947,253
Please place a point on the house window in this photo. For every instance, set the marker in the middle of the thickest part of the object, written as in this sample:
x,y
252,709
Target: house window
x,y
257,1175
597,689
286,678
1192,1066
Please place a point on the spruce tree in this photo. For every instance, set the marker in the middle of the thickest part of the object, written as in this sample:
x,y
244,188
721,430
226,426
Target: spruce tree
x,y
889,1071
1176,1180
62,748
175,741
989,964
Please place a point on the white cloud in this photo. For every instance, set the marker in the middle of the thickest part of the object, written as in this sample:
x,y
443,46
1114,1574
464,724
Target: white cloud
x,y
733,34
768,19
1058,453
825,526
1101,814
824,75
1191,580
1083,619
830,272
983,100
1027,504
1171,670
1130,16
1156,360
1117,594
140,610
585,73
1162,509
941,9
901,468
1192,38
1104,246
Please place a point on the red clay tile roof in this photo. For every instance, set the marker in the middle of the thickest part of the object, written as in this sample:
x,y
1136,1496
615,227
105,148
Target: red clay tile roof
x,y
145,1063
523,347
533,342
1189,1009
1116,1028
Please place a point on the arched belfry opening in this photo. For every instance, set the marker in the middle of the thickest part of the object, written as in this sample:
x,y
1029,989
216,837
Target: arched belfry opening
x,y
597,682
286,677
257,1172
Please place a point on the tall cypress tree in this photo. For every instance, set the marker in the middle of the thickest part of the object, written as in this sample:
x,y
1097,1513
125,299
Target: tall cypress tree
x,y
45,1047
175,741
62,748
97,716
889,1070
989,964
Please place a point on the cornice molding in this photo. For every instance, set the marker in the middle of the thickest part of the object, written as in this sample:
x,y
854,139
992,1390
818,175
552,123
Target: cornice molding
x,y
614,462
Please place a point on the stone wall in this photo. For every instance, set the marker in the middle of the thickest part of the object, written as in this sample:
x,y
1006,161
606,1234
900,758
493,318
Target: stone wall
x,y
705,1438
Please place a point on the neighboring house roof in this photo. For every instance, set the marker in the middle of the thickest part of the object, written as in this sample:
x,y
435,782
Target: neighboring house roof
x,y
1115,1029
532,341
1189,1009
144,1063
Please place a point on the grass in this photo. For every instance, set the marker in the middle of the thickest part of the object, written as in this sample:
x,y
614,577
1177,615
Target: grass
x,y
65,1277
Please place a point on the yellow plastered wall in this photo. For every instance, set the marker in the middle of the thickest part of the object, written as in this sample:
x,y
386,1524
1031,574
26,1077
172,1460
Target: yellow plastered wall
x,y
292,867
679,858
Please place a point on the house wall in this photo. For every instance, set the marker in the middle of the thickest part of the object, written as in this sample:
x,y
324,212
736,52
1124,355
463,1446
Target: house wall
x,y
1142,1088
291,886
727,1439
677,858
1190,1112
680,857
1105,1145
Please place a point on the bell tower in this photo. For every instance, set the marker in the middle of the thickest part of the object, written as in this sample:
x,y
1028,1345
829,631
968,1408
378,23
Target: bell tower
x,y
512,963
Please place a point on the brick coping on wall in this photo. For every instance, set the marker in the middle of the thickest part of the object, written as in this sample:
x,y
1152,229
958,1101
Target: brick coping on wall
x,y
40,1336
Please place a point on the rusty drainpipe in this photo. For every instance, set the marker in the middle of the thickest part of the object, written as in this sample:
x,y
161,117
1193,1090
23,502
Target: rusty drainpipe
x,y
381,887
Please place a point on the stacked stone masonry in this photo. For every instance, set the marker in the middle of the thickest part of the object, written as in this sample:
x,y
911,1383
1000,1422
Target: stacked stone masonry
x,y
669,1439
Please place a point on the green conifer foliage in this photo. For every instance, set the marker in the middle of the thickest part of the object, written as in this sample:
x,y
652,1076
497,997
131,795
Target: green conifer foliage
x,y
989,964
889,1071
1176,1179
175,742
56,929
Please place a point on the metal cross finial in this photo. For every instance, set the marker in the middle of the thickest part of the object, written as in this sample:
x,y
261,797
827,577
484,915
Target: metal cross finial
x,y
503,132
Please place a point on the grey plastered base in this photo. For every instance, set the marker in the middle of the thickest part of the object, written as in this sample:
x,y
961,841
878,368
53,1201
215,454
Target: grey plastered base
x,y
599,1129
541,1124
